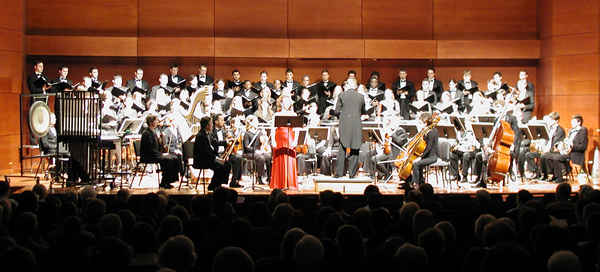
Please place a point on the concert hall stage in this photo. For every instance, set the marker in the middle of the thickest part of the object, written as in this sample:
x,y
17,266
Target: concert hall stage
x,y
307,186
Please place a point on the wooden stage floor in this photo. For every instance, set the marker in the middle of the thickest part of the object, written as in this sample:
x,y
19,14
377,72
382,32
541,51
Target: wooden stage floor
x,y
310,185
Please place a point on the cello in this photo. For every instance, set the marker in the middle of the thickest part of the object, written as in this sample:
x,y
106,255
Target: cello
x,y
501,138
414,149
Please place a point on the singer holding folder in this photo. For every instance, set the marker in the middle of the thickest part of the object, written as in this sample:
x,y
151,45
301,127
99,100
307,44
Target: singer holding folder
x,y
284,173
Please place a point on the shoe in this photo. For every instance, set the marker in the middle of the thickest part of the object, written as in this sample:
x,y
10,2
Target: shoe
x,y
553,179
481,185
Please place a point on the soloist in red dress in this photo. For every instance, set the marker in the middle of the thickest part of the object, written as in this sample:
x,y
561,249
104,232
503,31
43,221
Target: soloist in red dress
x,y
284,172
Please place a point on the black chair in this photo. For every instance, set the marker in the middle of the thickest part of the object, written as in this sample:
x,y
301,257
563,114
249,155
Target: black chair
x,y
154,165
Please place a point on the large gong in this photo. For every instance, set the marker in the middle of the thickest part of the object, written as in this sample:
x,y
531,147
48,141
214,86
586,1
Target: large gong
x,y
39,118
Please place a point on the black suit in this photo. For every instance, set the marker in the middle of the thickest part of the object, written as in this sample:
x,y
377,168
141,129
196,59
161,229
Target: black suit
x,y
262,160
438,88
465,101
205,158
429,156
58,80
207,81
324,92
408,97
557,136
234,160
131,85
530,105
33,88
150,153
349,107
231,84
558,162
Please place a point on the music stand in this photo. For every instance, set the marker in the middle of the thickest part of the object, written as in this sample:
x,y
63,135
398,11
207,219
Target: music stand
x,y
525,131
133,125
486,118
371,134
538,131
410,127
459,123
447,131
482,130
319,133
289,121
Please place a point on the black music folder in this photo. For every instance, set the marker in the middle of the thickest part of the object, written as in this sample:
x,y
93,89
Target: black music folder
x,y
116,92
61,86
98,86
430,98
424,107
131,125
139,90
444,108
180,84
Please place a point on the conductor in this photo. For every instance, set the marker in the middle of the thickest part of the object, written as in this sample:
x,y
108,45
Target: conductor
x,y
349,107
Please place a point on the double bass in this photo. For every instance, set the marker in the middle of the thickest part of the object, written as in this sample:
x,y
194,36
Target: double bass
x,y
414,149
501,138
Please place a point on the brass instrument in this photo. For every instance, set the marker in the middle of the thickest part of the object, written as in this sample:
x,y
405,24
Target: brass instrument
x,y
538,146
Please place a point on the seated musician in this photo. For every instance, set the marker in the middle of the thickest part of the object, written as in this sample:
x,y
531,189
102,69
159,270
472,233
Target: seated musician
x,y
150,152
219,141
394,137
171,137
572,149
430,154
557,135
330,151
252,150
464,152
313,118
206,157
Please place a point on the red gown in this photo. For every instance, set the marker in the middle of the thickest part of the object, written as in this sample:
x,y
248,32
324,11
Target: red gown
x,y
284,173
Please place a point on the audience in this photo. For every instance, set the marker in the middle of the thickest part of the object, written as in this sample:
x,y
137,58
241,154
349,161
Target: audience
x,y
82,230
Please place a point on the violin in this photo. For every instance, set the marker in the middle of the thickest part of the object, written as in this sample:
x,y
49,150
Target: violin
x,y
387,145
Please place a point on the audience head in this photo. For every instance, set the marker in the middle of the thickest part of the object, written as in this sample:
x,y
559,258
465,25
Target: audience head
x,y
178,253
288,243
564,261
110,225
563,191
411,258
309,252
480,224
422,220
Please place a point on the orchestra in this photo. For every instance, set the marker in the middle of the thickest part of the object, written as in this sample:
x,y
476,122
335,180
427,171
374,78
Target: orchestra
x,y
231,122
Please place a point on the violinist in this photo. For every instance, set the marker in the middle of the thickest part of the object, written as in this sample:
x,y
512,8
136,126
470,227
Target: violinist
x,y
430,154
150,152
206,157
220,140
394,137
252,150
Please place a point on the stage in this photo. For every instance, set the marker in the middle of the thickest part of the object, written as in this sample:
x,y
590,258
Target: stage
x,y
307,185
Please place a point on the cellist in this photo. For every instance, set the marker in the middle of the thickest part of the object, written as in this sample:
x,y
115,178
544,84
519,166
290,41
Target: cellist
x,y
430,154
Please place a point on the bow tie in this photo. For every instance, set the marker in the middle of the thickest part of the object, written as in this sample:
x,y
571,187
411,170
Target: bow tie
x,y
138,80
402,81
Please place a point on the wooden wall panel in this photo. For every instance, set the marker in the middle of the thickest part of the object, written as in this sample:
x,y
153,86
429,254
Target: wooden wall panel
x,y
488,49
175,46
251,47
187,18
90,17
575,17
586,105
12,18
81,45
327,48
390,19
491,19
325,19
11,79
266,18
400,49
11,71
576,75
